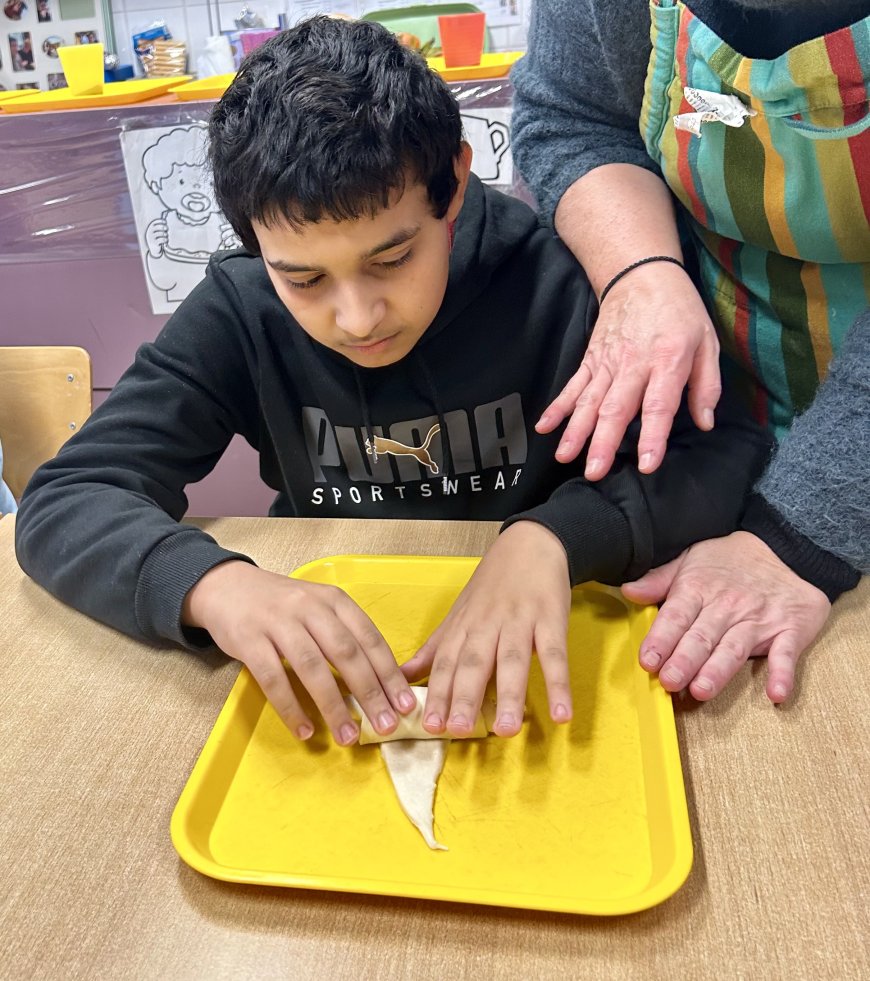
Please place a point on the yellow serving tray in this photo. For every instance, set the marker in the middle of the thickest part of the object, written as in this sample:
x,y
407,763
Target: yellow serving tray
x,y
113,94
494,64
586,818
212,87
8,94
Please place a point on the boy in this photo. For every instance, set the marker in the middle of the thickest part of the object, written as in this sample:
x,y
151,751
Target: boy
x,y
386,342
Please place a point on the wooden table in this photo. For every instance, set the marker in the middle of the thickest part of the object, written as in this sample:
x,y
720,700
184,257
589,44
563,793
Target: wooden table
x,y
99,735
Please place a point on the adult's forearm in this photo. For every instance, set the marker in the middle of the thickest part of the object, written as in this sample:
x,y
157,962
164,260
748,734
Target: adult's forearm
x,y
819,480
615,215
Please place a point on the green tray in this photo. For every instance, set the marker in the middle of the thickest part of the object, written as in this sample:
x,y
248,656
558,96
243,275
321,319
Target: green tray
x,y
422,20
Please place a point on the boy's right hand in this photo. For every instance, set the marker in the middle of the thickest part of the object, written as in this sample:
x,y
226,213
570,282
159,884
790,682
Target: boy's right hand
x,y
260,617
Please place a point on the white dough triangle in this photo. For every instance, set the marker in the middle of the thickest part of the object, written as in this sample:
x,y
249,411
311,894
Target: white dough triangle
x,y
415,757
414,766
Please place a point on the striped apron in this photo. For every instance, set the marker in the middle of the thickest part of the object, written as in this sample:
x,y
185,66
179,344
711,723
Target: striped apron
x,y
779,207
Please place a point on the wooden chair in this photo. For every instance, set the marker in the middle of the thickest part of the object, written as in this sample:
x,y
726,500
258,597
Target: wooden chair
x,y
45,397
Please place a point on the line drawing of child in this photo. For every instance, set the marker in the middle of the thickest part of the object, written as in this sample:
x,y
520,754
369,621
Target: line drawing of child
x,y
191,227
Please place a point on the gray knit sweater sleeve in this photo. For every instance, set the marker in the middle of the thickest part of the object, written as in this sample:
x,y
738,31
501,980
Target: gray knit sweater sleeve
x,y
818,483
578,93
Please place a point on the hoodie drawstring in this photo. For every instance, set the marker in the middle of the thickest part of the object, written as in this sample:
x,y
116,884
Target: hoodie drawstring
x,y
366,412
446,455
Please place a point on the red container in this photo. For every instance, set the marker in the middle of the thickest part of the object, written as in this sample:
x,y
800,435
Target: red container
x,y
254,37
462,38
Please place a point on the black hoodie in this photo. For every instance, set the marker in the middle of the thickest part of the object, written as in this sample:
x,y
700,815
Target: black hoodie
x,y
98,525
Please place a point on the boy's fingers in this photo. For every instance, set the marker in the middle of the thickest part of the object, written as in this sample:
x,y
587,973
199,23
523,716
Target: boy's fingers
x,y
376,649
305,654
417,667
473,672
511,681
551,643
440,685
344,652
269,673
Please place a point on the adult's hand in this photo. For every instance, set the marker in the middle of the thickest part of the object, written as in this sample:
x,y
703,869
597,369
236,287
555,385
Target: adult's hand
x,y
653,337
260,618
725,600
518,599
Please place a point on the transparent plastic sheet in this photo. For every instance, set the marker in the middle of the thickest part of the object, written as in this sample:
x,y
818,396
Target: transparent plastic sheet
x,y
63,187
480,99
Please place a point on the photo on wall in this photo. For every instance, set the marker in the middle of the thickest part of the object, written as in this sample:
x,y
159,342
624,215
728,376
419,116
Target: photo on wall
x,y
35,29
14,9
51,44
21,51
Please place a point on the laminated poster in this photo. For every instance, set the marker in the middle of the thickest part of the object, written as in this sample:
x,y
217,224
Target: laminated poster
x,y
178,222
488,131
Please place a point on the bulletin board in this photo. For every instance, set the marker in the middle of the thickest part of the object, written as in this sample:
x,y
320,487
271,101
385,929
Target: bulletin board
x,y
31,31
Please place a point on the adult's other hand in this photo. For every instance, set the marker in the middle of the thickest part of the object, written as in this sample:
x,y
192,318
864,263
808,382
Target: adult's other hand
x,y
725,600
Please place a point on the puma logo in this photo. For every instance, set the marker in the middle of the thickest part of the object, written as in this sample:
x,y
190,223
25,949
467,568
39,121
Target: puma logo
x,y
380,444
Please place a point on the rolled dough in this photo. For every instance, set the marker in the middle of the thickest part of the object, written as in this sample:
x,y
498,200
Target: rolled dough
x,y
410,726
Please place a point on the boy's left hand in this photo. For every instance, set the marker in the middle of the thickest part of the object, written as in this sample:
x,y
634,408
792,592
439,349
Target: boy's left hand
x,y
518,599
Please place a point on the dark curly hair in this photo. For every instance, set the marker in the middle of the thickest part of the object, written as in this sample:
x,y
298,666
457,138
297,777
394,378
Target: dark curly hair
x,y
326,121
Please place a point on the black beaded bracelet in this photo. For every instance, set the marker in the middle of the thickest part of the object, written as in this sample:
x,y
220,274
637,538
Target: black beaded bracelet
x,y
634,265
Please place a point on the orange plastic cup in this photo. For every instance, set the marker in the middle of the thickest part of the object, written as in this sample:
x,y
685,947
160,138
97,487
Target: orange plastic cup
x,y
462,38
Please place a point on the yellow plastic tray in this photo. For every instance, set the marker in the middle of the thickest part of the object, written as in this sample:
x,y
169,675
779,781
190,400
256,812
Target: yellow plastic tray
x,y
493,65
586,818
212,87
8,94
113,94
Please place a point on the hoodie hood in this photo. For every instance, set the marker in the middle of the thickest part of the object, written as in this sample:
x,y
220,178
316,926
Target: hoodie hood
x,y
490,228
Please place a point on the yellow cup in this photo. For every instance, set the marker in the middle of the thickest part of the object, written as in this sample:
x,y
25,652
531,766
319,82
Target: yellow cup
x,y
83,67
